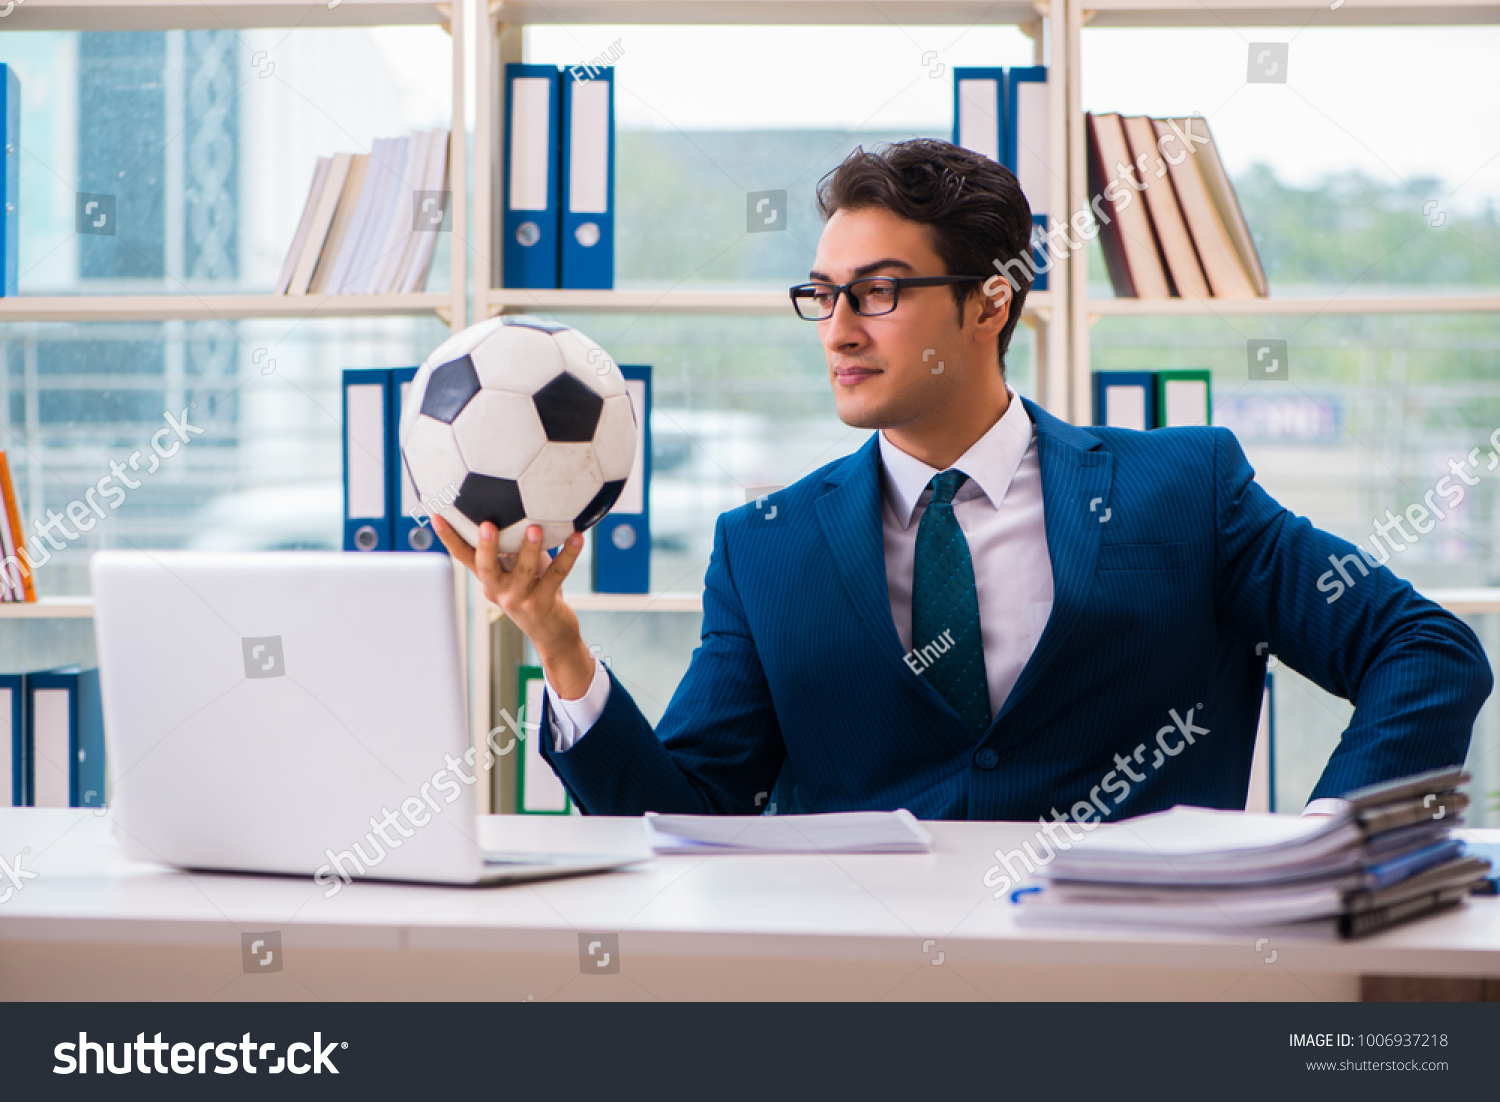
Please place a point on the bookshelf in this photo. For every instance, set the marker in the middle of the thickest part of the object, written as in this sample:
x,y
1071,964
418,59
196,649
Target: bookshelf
x,y
1059,318
451,306
1085,311
501,43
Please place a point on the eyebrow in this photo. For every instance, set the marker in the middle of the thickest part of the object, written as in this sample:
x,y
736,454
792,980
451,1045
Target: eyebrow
x,y
867,269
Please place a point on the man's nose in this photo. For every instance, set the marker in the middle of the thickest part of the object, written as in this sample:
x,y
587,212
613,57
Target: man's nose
x,y
844,327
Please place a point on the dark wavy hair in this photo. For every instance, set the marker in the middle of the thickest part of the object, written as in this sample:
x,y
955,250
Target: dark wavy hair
x,y
979,221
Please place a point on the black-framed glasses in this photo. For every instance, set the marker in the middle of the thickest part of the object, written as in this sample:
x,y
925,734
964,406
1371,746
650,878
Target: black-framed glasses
x,y
870,297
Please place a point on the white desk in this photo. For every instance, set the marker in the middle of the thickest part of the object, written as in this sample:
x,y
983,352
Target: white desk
x,y
94,926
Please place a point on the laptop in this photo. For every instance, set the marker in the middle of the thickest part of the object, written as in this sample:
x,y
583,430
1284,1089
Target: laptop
x,y
303,713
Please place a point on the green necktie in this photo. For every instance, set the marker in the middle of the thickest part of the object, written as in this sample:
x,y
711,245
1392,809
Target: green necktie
x,y
945,634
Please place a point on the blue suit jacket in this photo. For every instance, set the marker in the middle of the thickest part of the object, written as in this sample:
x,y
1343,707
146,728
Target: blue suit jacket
x,y
1170,567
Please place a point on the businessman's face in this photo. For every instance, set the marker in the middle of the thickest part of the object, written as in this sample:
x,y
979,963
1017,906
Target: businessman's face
x,y
914,363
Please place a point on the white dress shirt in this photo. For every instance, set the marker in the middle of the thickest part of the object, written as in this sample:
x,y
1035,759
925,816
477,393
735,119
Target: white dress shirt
x,y
999,509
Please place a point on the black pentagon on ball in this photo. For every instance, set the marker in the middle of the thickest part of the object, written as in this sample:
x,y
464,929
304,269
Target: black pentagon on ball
x,y
526,321
449,389
603,501
569,410
497,500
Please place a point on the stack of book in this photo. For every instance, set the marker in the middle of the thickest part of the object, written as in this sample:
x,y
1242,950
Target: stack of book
x,y
15,564
369,223
1170,225
1388,854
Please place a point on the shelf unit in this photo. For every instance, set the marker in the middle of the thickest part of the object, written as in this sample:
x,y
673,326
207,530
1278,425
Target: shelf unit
x,y
1060,317
1085,311
1046,312
451,306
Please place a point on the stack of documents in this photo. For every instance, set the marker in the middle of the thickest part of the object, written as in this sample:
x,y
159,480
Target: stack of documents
x,y
842,832
1387,855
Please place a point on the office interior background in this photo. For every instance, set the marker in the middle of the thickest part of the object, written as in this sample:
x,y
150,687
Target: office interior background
x,y
1373,170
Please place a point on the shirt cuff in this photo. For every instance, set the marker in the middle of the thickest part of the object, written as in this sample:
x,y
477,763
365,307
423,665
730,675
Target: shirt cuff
x,y
571,719
1328,805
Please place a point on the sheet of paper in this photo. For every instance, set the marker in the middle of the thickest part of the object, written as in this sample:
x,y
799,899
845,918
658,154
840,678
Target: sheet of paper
x,y
842,832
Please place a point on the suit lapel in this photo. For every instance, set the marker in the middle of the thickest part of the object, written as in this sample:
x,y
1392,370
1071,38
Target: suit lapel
x,y
850,516
1076,474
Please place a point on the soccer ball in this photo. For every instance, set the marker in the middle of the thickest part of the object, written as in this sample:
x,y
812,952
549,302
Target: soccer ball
x,y
518,421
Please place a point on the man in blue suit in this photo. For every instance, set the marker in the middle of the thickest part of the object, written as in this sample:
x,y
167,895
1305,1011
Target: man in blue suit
x,y
985,612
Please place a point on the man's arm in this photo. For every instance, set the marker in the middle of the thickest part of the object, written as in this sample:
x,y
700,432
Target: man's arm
x,y
718,744
1415,673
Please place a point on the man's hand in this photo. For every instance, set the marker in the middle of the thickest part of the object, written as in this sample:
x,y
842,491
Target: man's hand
x,y
526,586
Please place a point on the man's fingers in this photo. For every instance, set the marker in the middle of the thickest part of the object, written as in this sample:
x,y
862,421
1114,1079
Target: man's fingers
x,y
487,558
453,542
552,580
525,571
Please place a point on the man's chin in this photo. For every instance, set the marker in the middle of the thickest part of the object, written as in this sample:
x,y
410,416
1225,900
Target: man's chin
x,y
861,415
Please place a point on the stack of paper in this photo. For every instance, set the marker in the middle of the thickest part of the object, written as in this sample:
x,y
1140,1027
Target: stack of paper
x,y
842,832
1387,855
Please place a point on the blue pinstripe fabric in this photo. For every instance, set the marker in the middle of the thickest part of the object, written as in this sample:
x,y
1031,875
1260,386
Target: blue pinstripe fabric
x,y
1157,610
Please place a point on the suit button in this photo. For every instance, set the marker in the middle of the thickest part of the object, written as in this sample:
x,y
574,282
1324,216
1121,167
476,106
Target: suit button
x,y
986,758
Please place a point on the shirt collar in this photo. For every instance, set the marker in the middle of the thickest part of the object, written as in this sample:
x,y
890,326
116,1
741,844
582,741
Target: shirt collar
x,y
990,463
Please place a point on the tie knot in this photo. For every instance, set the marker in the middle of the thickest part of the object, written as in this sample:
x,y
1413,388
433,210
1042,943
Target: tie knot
x,y
945,485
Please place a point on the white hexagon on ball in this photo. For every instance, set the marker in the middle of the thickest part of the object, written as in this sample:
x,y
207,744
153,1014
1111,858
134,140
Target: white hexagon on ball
x,y
615,438
517,358
433,460
561,482
499,433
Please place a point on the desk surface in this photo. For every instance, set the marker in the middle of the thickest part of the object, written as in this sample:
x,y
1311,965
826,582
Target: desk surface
x,y
897,910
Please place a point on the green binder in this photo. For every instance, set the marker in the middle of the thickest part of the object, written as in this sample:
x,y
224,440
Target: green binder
x,y
538,789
